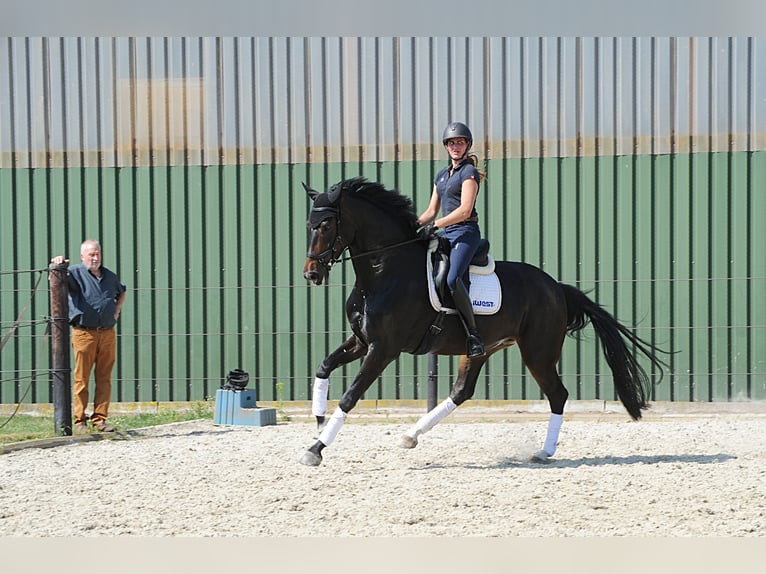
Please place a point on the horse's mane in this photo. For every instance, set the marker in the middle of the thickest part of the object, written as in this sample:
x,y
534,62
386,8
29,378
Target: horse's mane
x,y
392,202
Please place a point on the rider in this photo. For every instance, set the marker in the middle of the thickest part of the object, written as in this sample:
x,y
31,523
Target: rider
x,y
455,190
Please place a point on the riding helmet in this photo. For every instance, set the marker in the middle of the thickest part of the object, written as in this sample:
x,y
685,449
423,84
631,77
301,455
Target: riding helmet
x,y
457,130
236,380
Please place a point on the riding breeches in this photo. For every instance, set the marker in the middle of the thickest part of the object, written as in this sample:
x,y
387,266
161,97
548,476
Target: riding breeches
x,y
464,240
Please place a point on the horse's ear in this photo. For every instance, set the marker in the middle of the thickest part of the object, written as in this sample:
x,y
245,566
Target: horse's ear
x,y
311,192
334,192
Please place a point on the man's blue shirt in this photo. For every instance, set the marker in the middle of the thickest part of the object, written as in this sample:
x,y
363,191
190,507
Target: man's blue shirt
x,y
92,301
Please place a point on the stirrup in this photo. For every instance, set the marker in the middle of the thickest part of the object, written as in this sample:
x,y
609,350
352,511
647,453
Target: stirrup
x,y
475,347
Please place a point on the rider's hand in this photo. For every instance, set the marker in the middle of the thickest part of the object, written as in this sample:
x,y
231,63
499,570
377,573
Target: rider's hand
x,y
427,231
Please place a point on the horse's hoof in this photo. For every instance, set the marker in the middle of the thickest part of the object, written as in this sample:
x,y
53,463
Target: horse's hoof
x,y
541,456
311,458
408,441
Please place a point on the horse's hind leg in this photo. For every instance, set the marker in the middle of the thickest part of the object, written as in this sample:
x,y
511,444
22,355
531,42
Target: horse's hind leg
x,y
543,369
351,349
462,390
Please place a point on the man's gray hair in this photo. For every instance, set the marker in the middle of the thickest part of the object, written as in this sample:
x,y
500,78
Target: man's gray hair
x,y
87,243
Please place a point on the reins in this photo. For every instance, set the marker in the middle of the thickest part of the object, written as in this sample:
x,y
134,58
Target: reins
x,y
332,260
380,250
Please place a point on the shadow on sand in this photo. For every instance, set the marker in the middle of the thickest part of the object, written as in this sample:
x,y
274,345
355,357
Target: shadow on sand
x,y
519,462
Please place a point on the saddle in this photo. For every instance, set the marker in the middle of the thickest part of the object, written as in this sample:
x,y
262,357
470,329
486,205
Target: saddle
x,y
480,279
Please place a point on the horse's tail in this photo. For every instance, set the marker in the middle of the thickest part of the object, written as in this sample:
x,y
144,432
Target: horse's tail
x,y
630,380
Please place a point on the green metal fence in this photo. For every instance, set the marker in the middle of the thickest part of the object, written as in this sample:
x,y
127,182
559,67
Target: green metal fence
x,y
213,261
631,167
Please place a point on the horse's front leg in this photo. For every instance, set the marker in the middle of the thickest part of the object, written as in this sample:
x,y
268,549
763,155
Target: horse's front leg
x,y
351,349
372,367
462,390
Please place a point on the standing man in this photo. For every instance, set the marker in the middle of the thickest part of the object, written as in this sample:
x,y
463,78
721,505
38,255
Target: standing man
x,y
96,296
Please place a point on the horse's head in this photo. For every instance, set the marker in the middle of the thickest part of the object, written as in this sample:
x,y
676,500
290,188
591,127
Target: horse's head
x,y
325,242
372,220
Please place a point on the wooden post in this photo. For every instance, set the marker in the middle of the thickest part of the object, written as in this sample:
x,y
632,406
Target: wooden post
x,y
61,370
433,375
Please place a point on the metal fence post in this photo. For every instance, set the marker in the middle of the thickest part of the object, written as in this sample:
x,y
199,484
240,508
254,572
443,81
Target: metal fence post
x,y
433,374
60,364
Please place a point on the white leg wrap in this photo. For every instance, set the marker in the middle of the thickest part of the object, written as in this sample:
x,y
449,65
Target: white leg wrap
x,y
319,397
333,426
429,420
554,426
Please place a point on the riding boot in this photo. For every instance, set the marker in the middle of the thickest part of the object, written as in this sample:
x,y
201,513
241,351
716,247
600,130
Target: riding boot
x,y
475,348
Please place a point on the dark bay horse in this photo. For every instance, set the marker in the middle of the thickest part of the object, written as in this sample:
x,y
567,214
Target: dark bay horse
x,y
390,313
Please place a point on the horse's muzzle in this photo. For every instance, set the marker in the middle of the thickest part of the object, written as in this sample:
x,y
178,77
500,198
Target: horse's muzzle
x,y
313,273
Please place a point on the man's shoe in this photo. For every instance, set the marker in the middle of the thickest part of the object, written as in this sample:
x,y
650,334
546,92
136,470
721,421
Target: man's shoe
x,y
81,428
102,427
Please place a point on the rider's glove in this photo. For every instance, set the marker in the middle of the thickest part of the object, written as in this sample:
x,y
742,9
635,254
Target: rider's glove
x,y
427,231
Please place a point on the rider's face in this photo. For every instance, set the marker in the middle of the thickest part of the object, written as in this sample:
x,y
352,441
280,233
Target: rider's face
x,y
456,147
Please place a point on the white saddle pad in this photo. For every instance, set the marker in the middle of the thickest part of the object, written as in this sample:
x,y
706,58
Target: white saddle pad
x,y
485,292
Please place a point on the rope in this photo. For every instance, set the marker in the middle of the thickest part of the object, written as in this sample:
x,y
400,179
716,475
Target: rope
x,y
29,386
21,315
20,271
13,329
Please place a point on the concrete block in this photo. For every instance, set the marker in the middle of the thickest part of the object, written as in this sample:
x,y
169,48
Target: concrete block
x,y
238,408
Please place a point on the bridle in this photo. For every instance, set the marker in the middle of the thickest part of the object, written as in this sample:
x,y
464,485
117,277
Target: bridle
x,y
332,255
329,256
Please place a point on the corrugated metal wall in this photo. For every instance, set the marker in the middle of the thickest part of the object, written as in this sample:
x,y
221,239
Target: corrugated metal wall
x,y
635,167
113,102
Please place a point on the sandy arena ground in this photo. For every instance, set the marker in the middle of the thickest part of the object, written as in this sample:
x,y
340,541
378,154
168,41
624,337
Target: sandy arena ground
x,y
669,475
